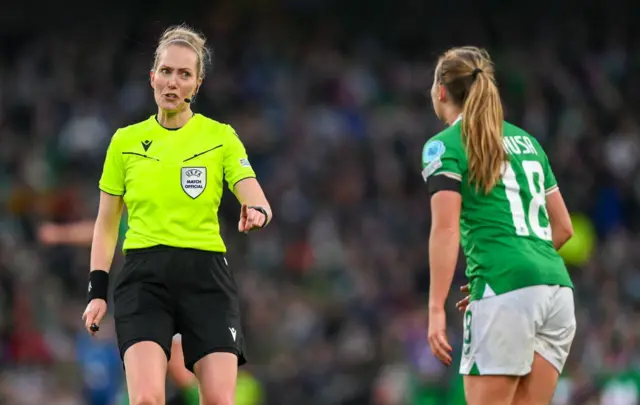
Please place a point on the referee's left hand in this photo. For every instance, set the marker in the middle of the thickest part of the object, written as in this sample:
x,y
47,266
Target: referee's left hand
x,y
250,219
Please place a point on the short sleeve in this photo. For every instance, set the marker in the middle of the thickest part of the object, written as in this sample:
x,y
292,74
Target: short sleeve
x,y
550,182
236,163
437,160
112,179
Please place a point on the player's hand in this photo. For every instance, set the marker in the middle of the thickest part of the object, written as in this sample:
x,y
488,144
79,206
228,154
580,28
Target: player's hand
x,y
49,233
438,335
250,219
463,303
96,309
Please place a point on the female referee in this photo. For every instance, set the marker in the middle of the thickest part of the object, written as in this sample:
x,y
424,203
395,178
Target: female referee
x,y
168,170
493,191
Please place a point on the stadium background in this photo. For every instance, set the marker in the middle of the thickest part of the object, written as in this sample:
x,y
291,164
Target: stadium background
x,y
330,99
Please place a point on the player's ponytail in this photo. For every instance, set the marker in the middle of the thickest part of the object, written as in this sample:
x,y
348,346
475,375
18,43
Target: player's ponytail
x,y
482,130
468,75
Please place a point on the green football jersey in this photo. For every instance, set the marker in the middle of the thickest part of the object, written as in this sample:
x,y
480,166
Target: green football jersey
x,y
505,234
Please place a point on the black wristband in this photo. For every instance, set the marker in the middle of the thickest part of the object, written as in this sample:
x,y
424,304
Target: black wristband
x,y
263,212
98,285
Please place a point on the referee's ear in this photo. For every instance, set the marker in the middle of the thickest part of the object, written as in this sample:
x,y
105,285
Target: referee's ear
x,y
195,93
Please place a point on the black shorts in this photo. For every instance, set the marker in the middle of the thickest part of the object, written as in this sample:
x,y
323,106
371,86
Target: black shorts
x,y
163,290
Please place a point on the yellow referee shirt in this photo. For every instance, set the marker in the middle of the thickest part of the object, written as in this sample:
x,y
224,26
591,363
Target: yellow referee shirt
x,y
171,180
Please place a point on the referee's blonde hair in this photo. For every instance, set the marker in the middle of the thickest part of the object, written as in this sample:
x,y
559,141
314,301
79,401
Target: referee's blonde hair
x,y
468,75
183,35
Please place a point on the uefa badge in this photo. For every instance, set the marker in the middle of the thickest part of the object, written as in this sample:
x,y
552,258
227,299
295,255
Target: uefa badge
x,y
193,180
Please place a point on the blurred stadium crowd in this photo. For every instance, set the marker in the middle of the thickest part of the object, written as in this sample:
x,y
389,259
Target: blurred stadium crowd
x,y
331,101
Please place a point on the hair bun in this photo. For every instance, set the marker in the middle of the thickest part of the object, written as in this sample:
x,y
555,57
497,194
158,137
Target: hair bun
x,y
184,34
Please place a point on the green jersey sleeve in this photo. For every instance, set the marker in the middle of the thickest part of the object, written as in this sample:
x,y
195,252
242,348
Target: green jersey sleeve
x,y
438,159
112,179
550,182
236,163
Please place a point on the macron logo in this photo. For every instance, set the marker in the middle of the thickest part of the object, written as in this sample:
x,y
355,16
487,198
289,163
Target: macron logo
x,y
233,333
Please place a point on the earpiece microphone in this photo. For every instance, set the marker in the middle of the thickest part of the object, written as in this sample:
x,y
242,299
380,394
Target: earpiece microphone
x,y
192,99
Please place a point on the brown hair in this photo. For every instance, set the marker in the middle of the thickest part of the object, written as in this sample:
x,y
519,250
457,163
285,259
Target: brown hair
x,y
467,73
182,35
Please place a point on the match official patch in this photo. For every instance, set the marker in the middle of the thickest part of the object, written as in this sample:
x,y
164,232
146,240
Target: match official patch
x,y
245,163
193,180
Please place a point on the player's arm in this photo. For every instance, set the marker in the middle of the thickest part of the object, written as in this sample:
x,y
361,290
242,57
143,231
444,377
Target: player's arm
x,y
444,242
559,218
442,173
77,233
561,226
256,210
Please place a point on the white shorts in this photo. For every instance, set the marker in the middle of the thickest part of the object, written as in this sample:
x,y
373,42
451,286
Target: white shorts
x,y
502,333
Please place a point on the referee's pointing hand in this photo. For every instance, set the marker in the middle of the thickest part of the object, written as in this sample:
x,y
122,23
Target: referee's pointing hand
x,y
250,218
93,314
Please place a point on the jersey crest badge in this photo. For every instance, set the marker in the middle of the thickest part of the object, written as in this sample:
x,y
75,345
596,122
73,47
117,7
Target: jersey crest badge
x,y
432,151
193,180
